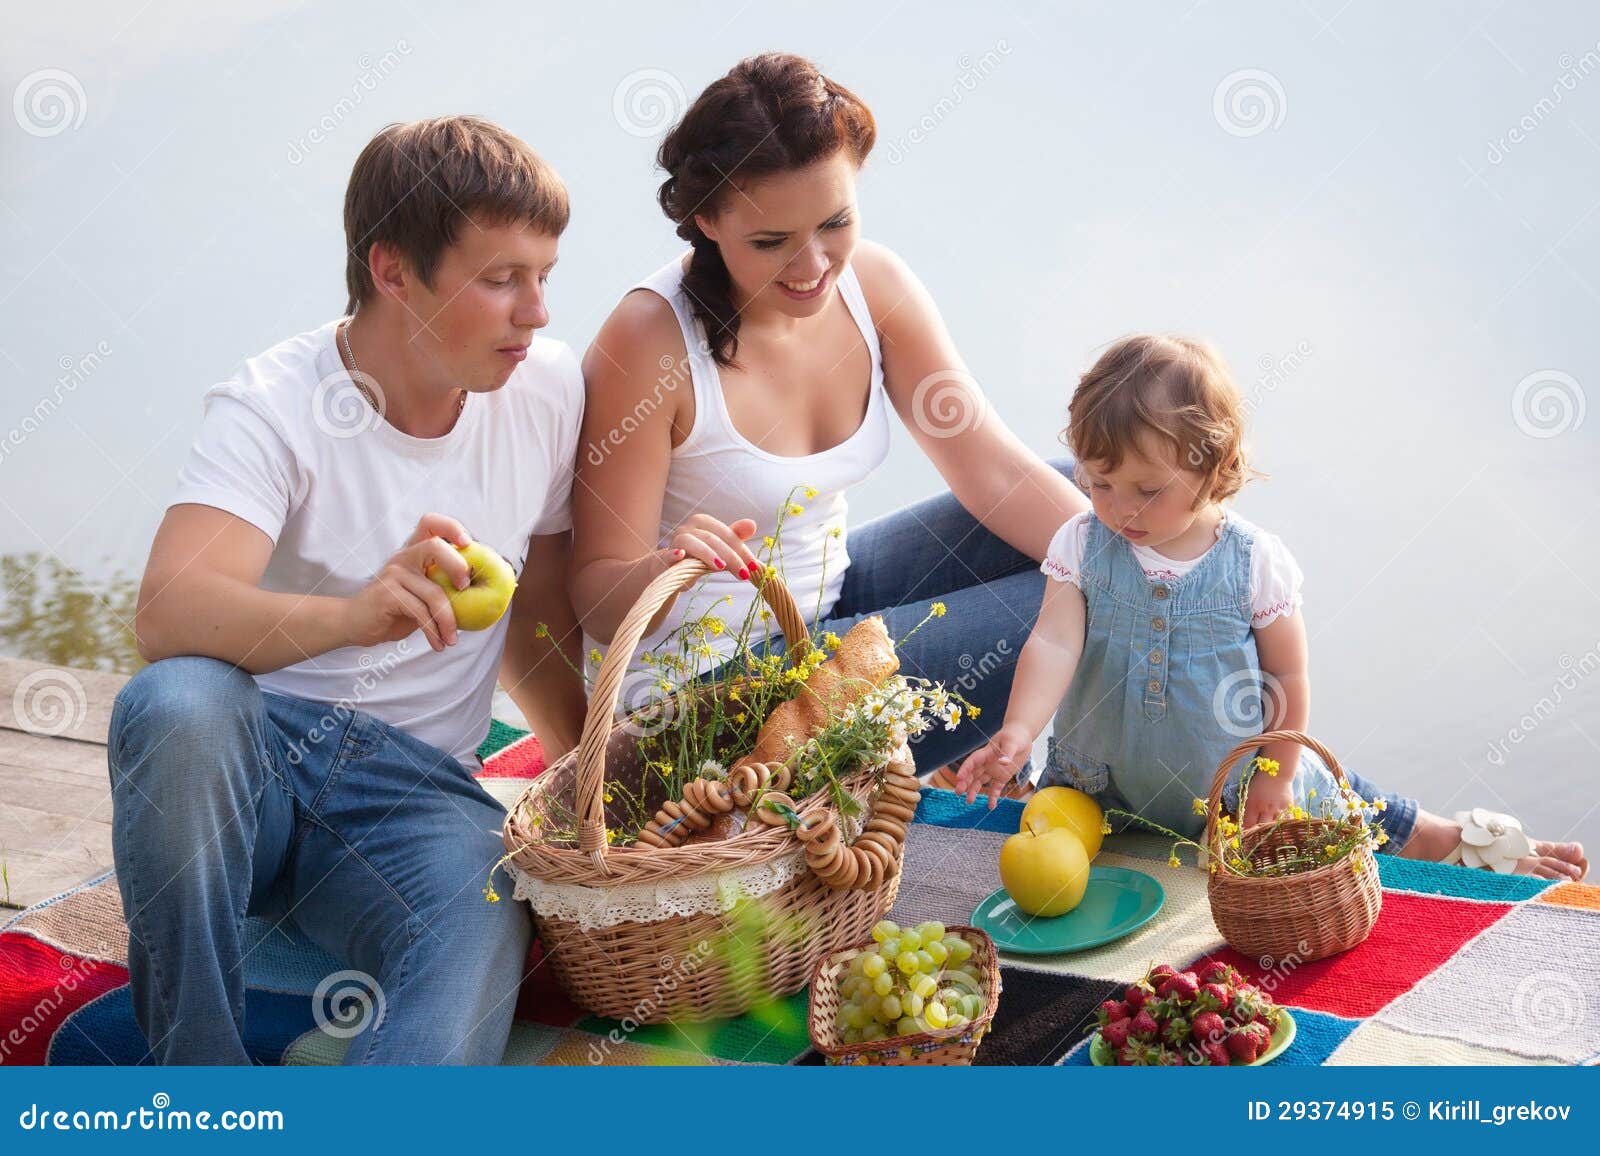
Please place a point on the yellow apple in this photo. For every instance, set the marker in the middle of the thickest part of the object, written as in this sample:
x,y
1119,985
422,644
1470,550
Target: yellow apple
x,y
486,597
1069,808
1044,872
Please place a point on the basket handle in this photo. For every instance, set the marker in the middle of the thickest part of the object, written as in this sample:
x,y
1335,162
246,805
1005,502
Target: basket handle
x,y
1218,781
600,717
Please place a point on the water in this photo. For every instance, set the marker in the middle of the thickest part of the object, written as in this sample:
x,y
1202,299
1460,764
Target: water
x,y
1384,216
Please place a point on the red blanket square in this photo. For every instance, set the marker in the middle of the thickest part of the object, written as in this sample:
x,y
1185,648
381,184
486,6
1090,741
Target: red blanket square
x,y
1413,936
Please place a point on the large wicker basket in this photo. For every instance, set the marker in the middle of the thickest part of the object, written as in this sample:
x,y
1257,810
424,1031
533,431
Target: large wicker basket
x,y
1307,915
697,966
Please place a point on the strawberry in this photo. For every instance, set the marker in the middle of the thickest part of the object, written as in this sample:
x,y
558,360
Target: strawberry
x,y
1160,972
1171,1058
1208,1025
1145,1026
1115,1033
1243,1046
1111,1011
1247,1006
1176,1031
1262,1034
1135,1055
1185,985
1137,994
1215,972
1213,996
1217,1052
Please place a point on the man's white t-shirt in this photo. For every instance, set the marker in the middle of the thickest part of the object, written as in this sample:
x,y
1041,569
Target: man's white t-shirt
x,y
288,445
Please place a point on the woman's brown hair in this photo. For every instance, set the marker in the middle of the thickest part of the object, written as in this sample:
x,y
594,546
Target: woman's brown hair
x,y
771,113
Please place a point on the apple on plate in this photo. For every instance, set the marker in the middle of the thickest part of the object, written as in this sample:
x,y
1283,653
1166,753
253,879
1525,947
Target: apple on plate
x,y
1044,869
1070,808
487,594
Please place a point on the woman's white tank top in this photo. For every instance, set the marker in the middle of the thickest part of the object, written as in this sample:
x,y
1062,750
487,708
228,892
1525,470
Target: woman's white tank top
x,y
717,471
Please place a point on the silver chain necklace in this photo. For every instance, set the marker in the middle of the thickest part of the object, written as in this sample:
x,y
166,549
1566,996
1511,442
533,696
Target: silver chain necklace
x,y
360,378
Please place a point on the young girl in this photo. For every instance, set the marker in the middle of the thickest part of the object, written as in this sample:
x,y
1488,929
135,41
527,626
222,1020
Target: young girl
x,y
1170,628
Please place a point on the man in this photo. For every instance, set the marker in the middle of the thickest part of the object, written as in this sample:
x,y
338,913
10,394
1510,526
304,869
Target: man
x,y
302,744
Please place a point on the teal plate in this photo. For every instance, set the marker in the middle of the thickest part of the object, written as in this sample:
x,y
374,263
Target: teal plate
x,y
1117,901
1282,1037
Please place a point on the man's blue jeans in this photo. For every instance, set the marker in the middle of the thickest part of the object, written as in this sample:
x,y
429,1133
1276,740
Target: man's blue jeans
x,y
228,802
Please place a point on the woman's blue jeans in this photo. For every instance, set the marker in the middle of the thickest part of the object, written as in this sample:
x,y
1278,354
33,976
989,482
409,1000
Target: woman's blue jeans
x,y
228,801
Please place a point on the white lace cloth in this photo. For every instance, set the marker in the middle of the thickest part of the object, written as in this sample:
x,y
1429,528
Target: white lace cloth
x,y
712,893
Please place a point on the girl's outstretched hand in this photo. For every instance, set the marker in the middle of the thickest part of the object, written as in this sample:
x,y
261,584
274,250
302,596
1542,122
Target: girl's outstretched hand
x,y
992,765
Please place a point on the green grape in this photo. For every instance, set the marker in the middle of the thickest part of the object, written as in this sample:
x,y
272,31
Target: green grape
x,y
890,947
925,962
935,1014
960,949
913,1004
907,1026
910,940
852,1035
883,984
889,1008
873,1031
932,929
957,1020
850,1016
874,966
936,951
908,963
924,985
885,929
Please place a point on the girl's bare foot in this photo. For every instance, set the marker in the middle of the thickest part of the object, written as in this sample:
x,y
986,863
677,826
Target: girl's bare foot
x,y
1434,837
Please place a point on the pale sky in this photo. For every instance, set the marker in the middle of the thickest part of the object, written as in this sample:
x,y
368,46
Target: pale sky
x,y
1384,215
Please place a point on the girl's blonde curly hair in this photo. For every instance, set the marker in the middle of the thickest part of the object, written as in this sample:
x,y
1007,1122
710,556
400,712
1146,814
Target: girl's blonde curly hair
x,y
1175,388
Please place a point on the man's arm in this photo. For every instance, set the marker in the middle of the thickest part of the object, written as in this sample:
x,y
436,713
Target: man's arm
x,y
537,666
201,595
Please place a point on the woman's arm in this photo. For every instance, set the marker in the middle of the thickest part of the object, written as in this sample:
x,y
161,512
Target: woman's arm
x,y
638,387
1007,487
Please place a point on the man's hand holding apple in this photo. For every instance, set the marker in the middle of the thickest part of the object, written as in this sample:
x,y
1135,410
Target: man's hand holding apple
x,y
403,598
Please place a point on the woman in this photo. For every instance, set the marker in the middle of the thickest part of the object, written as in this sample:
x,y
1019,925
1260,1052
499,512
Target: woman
x,y
761,368
756,374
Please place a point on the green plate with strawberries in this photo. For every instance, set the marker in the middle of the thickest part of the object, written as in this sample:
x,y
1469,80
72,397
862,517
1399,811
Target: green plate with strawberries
x,y
1117,902
1282,1036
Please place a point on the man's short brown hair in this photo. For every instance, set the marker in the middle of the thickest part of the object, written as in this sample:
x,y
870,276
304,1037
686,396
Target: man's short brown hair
x,y
416,184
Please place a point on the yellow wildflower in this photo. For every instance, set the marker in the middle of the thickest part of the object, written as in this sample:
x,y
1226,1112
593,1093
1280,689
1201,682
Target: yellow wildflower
x,y
974,711
595,655
768,541
766,615
739,718
611,836
1174,861
811,491
796,510
490,894
937,609
715,627
733,694
1198,806
541,631
1270,766
606,796
1212,867
837,531
831,640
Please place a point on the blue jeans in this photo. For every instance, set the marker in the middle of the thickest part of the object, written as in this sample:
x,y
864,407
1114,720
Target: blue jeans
x,y
230,802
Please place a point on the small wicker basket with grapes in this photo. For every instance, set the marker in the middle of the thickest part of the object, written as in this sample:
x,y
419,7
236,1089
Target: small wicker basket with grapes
x,y
923,995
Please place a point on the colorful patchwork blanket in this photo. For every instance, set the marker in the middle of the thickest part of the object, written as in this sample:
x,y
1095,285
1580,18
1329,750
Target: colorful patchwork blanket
x,y
1463,967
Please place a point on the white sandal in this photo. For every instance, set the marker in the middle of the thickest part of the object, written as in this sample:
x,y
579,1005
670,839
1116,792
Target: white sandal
x,y
1490,840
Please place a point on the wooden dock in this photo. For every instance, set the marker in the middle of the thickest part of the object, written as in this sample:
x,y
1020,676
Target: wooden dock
x,y
55,793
